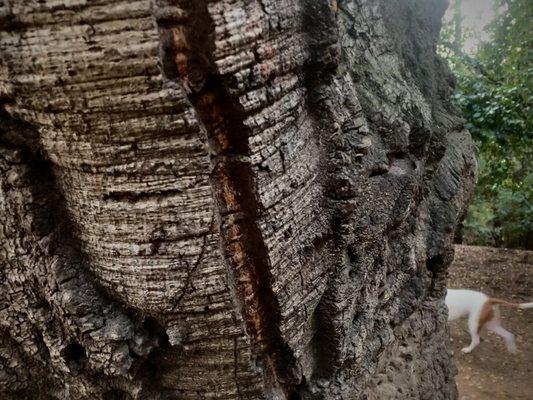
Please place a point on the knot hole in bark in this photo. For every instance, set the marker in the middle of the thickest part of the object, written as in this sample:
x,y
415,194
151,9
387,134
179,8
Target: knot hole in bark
x,y
155,329
437,266
74,354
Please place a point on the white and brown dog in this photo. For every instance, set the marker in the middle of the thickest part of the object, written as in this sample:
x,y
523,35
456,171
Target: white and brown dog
x,y
482,311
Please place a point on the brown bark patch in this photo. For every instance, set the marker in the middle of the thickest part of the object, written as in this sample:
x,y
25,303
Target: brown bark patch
x,y
189,49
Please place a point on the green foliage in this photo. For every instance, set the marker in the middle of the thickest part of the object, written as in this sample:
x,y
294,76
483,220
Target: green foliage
x,y
494,94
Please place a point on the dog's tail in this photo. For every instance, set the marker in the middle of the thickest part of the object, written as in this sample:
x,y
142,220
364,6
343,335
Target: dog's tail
x,y
525,305
509,304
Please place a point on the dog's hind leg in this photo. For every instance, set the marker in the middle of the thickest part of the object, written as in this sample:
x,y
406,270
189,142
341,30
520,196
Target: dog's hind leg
x,y
495,327
474,333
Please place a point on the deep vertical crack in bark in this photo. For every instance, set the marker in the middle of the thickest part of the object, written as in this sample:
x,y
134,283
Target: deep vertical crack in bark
x,y
188,56
319,23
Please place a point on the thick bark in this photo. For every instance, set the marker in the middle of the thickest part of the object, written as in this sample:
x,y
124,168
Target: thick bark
x,y
230,200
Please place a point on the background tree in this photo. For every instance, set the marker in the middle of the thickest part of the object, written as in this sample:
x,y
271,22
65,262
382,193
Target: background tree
x,y
494,94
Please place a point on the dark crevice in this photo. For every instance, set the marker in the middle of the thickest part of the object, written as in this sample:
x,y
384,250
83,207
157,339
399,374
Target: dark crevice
x,y
75,355
132,197
295,396
320,27
155,330
436,263
437,267
187,53
234,186
150,367
117,394
325,340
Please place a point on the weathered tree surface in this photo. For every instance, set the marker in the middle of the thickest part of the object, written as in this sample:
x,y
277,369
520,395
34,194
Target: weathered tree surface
x,y
234,199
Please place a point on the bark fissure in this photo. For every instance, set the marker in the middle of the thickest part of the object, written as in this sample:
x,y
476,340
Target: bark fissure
x,y
188,56
319,22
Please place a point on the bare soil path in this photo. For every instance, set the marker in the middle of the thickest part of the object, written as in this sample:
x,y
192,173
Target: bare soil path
x,y
490,372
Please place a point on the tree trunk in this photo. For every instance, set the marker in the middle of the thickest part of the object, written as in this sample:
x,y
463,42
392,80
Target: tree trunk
x,y
245,199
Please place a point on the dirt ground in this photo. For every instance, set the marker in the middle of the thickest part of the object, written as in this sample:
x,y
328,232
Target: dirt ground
x,y
490,372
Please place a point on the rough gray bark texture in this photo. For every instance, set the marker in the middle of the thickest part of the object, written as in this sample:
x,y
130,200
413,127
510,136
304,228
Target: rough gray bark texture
x,y
234,199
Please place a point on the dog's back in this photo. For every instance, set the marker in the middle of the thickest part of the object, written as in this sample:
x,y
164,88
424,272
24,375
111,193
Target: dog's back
x,y
462,302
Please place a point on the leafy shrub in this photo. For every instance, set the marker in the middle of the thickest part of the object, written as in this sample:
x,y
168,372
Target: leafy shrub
x,y
494,94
